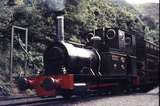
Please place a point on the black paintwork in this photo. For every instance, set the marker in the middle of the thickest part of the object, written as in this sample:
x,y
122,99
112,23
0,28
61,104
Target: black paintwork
x,y
120,56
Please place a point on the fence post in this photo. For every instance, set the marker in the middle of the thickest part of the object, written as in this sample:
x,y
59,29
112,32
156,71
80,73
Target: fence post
x,y
12,46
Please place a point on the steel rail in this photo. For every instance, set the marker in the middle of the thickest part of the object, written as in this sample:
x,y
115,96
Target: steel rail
x,y
28,101
4,98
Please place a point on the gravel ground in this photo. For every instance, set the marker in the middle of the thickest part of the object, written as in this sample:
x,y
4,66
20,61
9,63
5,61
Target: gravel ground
x,y
148,99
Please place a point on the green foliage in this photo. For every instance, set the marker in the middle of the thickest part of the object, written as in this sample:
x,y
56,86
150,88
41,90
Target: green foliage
x,y
81,16
93,14
149,14
152,35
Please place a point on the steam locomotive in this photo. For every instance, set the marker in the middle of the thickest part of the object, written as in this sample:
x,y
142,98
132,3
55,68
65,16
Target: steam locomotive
x,y
112,58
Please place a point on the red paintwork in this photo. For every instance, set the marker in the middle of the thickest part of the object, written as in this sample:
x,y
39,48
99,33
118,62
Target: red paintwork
x,y
66,82
62,82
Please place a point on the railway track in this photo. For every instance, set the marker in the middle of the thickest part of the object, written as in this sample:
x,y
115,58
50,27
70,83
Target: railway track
x,y
28,101
2,98
38,101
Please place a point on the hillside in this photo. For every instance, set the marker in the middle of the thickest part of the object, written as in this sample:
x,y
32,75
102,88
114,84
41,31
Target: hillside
x,y
149,14
149,9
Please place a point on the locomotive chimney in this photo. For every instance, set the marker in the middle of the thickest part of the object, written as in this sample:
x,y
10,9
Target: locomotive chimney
x,y
60,27
56,6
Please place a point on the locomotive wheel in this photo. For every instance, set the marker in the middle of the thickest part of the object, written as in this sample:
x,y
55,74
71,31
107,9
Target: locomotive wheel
x,y
146,87
66,94
101,92
84,94
115,90
22,84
